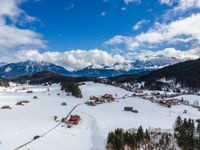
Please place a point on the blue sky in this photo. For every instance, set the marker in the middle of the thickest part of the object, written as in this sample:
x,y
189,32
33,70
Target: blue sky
x,y
73,24
79,33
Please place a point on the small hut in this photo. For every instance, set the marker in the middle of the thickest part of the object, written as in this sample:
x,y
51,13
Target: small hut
x,y
6,107
64,104
35,97
128,108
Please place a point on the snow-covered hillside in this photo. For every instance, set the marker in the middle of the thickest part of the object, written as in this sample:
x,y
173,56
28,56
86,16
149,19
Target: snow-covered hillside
x,y
21,123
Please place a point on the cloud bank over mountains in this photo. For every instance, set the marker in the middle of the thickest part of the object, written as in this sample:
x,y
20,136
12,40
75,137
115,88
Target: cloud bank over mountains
x,y
74,59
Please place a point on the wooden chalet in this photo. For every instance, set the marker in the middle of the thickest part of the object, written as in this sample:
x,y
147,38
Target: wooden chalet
x,y
74,119
169,102
108,97
94,98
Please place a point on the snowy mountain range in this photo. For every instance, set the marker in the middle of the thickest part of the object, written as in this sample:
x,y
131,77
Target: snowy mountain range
x,y
2,64
12,70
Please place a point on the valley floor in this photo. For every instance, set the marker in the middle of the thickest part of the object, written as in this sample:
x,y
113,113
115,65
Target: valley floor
x,y
21,123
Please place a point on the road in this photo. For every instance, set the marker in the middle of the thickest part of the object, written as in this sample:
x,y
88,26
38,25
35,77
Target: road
x,y
47,132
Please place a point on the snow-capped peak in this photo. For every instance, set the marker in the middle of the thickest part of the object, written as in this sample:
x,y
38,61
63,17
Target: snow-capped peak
x,y
149,63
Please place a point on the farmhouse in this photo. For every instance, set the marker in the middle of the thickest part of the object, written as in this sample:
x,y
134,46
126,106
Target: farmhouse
x,y
94,98
108,97
172,101
169,102
74,119
99,100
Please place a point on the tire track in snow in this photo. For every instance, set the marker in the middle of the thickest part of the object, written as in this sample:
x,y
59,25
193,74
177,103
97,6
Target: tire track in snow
x,y
97,140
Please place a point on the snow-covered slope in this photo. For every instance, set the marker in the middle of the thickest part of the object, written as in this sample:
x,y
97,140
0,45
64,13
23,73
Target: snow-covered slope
x,y
21,123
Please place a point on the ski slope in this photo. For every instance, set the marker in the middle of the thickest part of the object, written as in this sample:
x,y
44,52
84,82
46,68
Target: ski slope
x,y
21,123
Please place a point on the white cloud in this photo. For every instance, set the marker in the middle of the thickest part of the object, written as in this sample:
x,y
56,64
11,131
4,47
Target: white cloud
x,y
166,32
167,2
171,52
130,42
182,4
74,59
185,4
103,13
9,8
132,1
139,24
188,27
11,36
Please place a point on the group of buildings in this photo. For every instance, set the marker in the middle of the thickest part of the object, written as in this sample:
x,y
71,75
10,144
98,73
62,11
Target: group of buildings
x,y
94,100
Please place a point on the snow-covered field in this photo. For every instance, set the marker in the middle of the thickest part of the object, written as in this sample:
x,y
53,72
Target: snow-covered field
x,y
191,98
21,123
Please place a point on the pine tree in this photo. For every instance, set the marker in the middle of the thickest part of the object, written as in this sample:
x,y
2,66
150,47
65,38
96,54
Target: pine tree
x,y
147,135
140,134
178,127
191,136
198,136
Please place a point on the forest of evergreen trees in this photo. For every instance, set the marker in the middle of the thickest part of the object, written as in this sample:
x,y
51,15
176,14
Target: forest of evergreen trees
x,y
139,139
119,138
186,136
187,133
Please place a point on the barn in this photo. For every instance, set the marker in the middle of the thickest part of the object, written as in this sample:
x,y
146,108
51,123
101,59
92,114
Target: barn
x,y
74,119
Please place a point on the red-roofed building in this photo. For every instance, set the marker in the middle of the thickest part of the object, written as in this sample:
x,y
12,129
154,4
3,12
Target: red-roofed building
x,y
74,119
108,97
